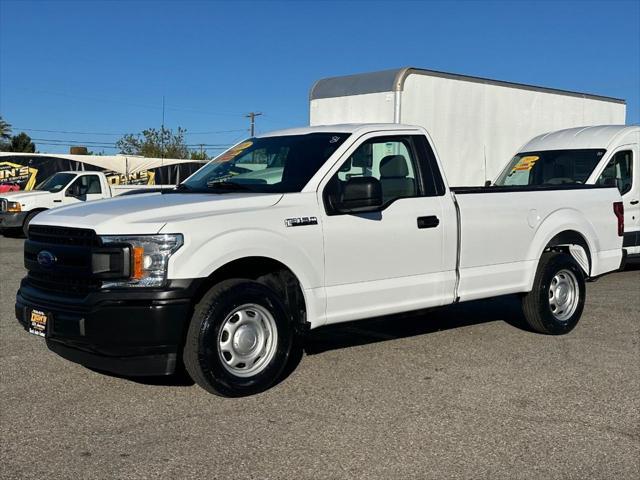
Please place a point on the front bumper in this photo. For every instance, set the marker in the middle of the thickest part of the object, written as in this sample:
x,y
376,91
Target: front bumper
x,y
12,219
131,333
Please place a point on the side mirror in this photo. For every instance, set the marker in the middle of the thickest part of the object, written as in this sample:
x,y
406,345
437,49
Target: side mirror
x,y
359,195
487,183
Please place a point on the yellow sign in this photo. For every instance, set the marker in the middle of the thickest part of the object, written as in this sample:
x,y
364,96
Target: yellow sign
x,y
143,177
526,163
16,173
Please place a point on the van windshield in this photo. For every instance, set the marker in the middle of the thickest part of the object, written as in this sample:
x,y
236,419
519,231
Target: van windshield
x,y
55,182
551,167
278,164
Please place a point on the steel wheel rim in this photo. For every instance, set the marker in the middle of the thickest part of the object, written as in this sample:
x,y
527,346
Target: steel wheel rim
x,y
564,295
247,340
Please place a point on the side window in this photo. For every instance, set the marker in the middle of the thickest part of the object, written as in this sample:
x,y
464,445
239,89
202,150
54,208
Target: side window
x,y
619,172
92,183
391,160
89,183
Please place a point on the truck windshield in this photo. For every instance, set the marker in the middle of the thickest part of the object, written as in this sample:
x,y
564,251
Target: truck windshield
x,y
550,167
55,182
278,164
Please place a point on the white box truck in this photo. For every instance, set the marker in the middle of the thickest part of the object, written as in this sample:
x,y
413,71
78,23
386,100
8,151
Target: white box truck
x,y
476,123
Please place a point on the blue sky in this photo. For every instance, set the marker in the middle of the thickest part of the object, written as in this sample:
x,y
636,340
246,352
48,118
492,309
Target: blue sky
x,y
103,67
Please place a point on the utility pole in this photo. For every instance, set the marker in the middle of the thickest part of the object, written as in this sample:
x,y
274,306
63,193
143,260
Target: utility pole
x,y
252,118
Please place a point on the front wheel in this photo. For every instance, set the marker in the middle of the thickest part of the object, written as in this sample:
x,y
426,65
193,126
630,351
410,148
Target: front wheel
x,y
27,221
555,303
239,339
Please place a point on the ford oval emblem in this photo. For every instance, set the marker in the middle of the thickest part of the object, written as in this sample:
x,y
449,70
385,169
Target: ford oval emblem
x,y
46,259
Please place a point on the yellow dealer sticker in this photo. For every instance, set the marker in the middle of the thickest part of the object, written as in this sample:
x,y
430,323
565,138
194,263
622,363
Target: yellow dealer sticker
x,y
526,163
234,152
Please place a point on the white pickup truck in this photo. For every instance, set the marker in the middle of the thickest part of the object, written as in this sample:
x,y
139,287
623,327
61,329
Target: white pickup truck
x,y
294,230
17,209
599,155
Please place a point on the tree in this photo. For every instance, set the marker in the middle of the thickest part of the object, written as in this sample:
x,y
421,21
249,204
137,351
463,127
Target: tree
x,y
20,143
196,155
5,130
5,135
155,143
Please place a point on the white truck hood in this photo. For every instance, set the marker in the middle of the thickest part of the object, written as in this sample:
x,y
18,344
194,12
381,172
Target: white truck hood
x,y
148,213
24,197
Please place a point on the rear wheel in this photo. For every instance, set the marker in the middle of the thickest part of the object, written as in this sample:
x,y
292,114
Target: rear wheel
x,y
554,305
239,339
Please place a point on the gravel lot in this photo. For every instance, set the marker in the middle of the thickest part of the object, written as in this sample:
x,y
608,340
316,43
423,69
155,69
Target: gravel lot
x,y
458,392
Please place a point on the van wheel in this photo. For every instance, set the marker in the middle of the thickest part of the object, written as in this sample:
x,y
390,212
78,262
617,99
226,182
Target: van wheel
x,y
27,221
239,339
555,303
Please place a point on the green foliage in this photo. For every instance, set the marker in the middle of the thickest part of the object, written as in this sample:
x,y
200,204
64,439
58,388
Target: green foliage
x,y
196,155
155,143
20,143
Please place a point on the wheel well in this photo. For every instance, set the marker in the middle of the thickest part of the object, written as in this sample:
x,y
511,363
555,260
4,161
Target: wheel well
x,y
271,273
562,241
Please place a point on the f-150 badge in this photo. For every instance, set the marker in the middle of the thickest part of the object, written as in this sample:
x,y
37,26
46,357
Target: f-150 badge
x,y
300,221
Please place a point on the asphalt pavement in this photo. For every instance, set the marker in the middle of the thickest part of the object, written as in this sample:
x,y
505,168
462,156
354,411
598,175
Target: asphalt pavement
x,y
457,392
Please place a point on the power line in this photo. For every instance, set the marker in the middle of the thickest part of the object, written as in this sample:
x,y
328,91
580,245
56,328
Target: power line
x,y
69,132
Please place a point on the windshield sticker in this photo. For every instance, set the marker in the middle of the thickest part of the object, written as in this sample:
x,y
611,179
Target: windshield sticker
x,y
234,152
243,146
526,163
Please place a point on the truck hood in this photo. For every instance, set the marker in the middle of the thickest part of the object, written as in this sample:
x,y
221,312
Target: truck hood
x,y
147,213
23,197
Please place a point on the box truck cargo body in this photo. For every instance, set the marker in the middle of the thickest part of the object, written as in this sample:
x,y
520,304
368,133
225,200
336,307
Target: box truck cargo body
x,y
477,123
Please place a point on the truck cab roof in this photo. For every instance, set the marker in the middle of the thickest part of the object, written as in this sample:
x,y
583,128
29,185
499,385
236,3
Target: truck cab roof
x,y
341,128
600,136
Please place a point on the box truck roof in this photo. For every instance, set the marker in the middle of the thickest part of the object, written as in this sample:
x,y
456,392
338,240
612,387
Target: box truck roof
x,y
393,80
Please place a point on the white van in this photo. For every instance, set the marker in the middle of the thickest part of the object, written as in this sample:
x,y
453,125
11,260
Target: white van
x,y
601,155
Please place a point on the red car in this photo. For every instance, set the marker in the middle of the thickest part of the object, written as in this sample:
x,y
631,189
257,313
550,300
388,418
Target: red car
x,y
9,187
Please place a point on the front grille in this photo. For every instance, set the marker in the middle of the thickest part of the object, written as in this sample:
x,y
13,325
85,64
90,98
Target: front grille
x,y
71,273
63,236
3,204
61,283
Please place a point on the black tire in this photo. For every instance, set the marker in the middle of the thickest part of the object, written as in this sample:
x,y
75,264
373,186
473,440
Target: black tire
x,y
27,221
536,305
202,357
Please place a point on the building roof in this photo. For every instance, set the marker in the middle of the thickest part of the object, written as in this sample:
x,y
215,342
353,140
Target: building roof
x,y
600,136
393,81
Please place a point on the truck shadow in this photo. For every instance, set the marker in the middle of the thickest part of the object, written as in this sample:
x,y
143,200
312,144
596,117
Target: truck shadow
x,y
392,327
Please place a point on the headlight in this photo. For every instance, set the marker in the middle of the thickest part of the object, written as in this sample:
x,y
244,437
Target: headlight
x,y
14,207
149,258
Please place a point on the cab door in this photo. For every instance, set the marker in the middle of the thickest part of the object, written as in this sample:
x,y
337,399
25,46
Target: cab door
x,y
393,259
623,171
